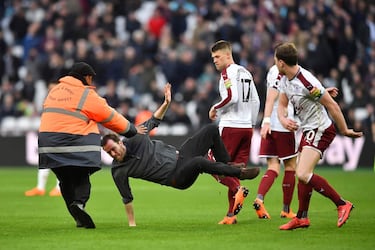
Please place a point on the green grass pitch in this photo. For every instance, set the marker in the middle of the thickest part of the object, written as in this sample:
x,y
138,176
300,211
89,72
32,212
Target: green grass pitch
x,y
174,219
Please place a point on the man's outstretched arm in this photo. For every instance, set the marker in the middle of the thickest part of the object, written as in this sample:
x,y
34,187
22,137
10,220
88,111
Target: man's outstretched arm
x,y
160,112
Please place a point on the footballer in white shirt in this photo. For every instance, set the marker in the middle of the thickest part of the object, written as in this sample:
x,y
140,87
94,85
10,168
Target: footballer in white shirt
x,y
237,112
311,102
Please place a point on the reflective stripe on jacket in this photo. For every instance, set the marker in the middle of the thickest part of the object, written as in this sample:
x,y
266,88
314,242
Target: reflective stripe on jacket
x,y
68,132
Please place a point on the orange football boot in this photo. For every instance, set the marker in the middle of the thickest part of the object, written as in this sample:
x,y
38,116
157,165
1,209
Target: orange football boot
x,y
296,223
55,192
344,212
35,192
260,209
228,220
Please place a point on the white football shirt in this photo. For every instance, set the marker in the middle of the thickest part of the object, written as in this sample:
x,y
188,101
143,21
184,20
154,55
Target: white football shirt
x,y
304,92
239,105
274,79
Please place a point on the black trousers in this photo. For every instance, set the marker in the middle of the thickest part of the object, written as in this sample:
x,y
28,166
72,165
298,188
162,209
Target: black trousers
x,y
192,160
75,184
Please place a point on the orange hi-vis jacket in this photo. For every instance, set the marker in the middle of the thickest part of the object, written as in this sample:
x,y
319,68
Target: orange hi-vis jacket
x,y
68,132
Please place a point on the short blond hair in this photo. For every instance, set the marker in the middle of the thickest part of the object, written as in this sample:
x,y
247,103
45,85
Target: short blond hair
x,y
221,45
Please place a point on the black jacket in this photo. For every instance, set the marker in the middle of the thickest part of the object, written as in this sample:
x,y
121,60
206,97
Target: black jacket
x,y
151,160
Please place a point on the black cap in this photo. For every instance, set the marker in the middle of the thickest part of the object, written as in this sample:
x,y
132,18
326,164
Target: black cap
x,y
82,69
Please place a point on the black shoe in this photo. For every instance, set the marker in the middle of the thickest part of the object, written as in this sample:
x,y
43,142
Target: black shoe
x,y
78,223
83,219
249,173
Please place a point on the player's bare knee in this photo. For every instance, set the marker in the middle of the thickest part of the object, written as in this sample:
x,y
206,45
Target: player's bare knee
x,y
303,176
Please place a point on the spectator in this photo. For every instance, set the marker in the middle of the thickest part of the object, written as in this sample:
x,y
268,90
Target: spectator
x,y
132,23
110,95
156,23
18,23
178,22
32,39
3,49
178,114
84,30
8,106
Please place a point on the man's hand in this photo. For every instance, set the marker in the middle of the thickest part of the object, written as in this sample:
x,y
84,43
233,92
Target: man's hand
x,y
212,114
265,130
141,129
352,134
160,112
333,91
289,124
130,214
167,93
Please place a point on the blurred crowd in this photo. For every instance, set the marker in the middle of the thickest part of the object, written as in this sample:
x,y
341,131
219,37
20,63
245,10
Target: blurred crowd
x,y
136,46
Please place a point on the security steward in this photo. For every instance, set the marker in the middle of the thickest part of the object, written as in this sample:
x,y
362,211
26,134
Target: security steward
x,y
69,138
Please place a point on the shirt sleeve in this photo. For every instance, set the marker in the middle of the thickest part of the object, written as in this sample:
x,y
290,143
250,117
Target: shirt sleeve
x,y
313,85
121,180
98,110
273,79
282,84
151,123
317,91
230,93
